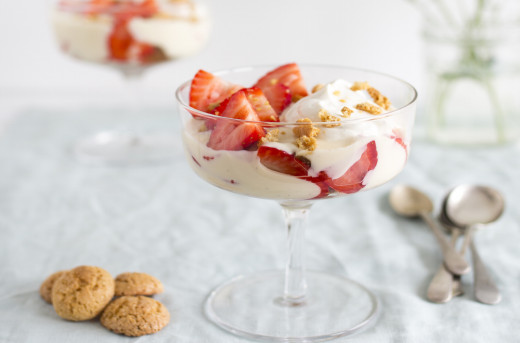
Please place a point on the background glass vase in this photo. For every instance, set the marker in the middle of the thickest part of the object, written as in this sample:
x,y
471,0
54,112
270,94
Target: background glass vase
x,y
472,83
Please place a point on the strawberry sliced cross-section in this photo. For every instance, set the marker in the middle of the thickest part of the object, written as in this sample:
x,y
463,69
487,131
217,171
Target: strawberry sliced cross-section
x,y
321,181
230,135
352,180
208,91
282,162
279,96
260,104
288,75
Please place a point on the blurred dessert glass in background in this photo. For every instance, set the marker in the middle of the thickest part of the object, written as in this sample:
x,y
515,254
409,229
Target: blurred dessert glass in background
x,y
129,36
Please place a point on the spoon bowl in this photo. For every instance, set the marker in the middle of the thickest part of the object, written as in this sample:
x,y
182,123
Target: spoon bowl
x,y
466,205
409,202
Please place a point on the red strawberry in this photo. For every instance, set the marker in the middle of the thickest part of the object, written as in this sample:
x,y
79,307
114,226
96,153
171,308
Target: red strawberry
x,y
282,162
399,139
321,181
208,91
288,75
120,40
260,104
352,180
228,135
279,96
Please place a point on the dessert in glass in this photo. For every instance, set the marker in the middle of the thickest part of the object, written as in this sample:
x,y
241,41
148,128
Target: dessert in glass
x,y
260,132
129,36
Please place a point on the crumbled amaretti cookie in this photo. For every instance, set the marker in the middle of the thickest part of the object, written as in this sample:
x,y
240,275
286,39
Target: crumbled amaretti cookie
x,y
306,134
271,136
370,108
327,117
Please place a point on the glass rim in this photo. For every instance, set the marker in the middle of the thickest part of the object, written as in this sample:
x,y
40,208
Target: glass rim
x,y
382,116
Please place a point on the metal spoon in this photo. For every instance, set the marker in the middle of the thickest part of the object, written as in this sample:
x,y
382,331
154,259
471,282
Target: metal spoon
x,y
470,207
410,202
444,285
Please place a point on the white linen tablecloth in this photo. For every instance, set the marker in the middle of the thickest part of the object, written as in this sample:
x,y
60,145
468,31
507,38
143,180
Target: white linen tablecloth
x,y
57,213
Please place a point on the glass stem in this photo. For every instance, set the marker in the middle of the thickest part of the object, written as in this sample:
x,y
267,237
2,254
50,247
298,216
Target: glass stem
x,y
296,220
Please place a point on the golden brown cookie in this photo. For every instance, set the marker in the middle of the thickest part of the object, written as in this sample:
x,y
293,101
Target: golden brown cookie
x,y
135,316
82,293
46,287
137,284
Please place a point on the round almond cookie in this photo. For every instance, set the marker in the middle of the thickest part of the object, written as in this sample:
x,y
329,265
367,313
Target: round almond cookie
x,y
82,293
137,284
135,316
46,287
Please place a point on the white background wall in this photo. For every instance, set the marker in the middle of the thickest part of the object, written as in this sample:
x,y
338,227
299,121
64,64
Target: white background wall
x,y
375,34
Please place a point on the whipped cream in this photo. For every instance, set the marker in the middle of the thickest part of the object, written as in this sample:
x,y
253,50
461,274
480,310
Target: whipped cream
x,y
337,148
331,98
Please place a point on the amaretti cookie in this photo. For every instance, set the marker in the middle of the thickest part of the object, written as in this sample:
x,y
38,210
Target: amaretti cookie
x,y
137,284
135,316
46,287
82,293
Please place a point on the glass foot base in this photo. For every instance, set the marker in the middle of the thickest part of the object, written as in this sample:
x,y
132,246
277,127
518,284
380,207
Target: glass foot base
x,y
124,147
251,307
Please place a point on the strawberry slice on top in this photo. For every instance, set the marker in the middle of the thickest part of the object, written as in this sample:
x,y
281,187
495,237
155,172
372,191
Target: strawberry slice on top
x,y
208,91
352,180
230,135
279,96
288,75
261,105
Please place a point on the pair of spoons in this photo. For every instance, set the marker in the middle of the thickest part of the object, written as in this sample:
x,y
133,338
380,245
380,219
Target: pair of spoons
x,y
465,209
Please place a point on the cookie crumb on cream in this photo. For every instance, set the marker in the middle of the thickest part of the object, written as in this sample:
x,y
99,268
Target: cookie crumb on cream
x,y
360,86
369,108
327,117
379,98
317,87
271,136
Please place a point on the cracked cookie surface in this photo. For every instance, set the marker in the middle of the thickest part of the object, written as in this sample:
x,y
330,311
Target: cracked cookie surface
x,y
135,316
82,293
46,287
137,284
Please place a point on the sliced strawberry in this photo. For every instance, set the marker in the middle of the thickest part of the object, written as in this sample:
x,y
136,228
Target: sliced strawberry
x,y
352,180
396,136
261,105
282,162
288,75
120,40
279,96
228,135
321,181
237,106
208,91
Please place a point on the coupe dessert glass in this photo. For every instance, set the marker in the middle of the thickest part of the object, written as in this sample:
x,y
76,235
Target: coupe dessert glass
x,y
129,36
295,305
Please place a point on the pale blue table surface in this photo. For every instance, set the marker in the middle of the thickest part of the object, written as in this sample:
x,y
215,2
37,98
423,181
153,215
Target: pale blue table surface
x,y
56,213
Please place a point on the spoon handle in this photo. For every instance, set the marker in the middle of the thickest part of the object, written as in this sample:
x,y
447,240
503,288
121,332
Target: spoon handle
x,y
453,261
441,287
485,289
